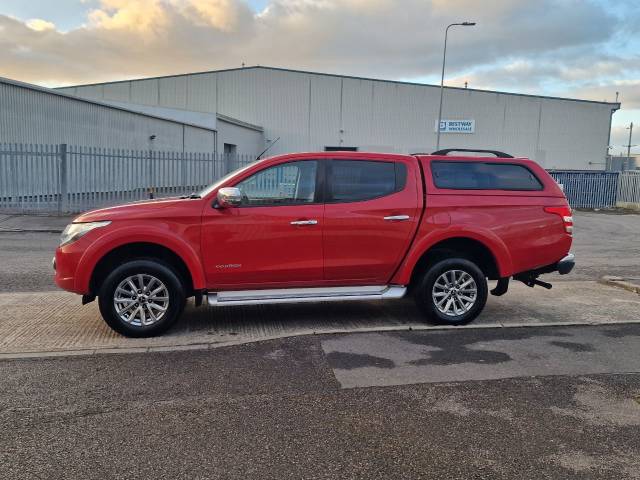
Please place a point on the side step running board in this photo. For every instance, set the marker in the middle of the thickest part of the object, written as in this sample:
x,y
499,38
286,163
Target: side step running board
x,y
300,295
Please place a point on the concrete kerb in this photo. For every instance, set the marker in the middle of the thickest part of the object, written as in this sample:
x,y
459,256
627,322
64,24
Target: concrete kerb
x,y
620,282
215,345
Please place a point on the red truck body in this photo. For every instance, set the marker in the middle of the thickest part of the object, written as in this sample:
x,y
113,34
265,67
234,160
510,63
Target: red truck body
x,y
324,242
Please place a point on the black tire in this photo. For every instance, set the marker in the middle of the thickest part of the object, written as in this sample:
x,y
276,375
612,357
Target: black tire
x,y
148,267
424,292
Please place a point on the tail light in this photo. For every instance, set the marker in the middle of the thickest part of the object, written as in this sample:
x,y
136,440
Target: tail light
x,y
565,214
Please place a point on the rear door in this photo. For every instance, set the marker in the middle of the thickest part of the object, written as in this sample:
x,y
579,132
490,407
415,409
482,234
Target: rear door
x,y
372,208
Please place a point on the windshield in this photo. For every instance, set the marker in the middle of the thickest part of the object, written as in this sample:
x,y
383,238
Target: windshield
x,y
222,180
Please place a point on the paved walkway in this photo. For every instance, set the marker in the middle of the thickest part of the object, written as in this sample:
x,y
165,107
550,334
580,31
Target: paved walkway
x,y
55,323
34,223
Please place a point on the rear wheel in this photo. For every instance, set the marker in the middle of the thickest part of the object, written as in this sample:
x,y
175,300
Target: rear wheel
x,y
452,292
141,298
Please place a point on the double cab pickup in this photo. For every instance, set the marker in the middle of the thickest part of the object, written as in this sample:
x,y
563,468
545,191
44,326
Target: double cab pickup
x,y
330,226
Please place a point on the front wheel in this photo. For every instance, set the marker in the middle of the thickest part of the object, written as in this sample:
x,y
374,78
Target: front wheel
x,y
141,298
452,292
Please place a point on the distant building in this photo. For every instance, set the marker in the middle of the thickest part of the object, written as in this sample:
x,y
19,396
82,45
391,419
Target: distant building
x,y
619,163
34,115
315,111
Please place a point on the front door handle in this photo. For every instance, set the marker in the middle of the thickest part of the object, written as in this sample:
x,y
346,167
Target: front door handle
x,y
397,218
305,222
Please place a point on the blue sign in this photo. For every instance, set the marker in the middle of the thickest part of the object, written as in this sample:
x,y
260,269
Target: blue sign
x,y
456,126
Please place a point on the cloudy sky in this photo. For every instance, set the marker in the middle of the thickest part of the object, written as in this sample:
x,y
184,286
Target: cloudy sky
x,y
575,48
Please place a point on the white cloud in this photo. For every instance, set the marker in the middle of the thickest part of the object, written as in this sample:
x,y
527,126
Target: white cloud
x,y
382,38
629,92
39,25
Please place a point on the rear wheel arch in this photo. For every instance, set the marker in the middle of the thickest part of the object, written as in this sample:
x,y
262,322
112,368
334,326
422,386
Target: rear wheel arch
x,y
457,247
139,251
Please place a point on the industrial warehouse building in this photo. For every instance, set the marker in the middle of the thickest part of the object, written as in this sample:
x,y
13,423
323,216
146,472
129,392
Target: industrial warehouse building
x,y
34,115
314,111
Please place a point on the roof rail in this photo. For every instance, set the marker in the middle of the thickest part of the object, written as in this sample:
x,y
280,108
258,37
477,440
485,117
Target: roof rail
x,y
446,151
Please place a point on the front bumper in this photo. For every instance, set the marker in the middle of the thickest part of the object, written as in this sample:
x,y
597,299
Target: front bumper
x,y
565,265
65,266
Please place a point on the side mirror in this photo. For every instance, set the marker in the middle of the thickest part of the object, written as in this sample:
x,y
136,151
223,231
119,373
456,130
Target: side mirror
x,y
229,197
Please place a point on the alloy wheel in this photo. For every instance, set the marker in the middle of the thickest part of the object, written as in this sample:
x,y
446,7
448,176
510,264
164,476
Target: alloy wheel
x,y
141,300
454,293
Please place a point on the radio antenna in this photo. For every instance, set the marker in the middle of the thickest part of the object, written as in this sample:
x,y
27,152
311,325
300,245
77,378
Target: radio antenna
x,y
267,149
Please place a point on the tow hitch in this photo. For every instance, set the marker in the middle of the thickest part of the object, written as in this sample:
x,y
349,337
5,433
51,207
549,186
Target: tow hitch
x,y
531,280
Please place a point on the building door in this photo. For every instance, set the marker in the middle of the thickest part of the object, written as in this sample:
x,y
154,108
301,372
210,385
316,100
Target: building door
x,y
340,149
230,154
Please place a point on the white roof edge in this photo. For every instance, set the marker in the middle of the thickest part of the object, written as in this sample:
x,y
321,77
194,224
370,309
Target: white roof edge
x,y
240,123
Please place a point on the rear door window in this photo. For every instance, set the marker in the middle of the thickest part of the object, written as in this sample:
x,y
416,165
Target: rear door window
x,y
483,176
360,180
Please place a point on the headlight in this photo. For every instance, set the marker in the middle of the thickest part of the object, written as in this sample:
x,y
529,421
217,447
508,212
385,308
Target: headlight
x,y
76,230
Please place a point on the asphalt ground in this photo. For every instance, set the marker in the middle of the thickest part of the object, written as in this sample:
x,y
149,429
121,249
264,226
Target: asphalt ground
x,y
282,409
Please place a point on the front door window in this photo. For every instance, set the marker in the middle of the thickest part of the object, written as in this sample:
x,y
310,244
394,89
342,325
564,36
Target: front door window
x,y
287,184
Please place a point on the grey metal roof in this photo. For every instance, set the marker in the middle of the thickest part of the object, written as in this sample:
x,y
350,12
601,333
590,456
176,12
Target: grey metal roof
x,y
50,91
616,105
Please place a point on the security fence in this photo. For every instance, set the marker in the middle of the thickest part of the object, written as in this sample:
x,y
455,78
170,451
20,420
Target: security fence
x,y
64,178
67,179
588,189
629,189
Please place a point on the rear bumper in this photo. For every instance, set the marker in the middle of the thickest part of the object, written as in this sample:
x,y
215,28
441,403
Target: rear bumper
x,y
565,265
530,277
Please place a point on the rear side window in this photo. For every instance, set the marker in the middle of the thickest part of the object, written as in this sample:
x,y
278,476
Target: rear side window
x,y
483,176
358,180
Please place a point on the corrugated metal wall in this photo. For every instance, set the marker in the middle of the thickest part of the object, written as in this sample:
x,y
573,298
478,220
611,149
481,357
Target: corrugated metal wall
x,y
247,141
310,111
34,116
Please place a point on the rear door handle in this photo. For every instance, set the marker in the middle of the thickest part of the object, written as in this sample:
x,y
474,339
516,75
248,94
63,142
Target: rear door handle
x,y
305,222
397,218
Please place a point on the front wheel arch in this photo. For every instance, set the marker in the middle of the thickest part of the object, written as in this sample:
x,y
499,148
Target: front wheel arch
x,y
138,251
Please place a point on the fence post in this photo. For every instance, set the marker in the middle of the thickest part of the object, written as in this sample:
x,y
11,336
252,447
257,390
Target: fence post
x,y
63,200
150,173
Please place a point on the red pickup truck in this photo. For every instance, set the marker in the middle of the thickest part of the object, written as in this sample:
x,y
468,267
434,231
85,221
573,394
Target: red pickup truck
x,y
325,227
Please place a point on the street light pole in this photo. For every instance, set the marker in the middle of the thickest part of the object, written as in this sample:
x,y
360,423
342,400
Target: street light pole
x,y
444,59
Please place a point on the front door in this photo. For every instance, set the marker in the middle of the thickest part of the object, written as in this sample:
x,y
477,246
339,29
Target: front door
x,y
274,238
372,209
